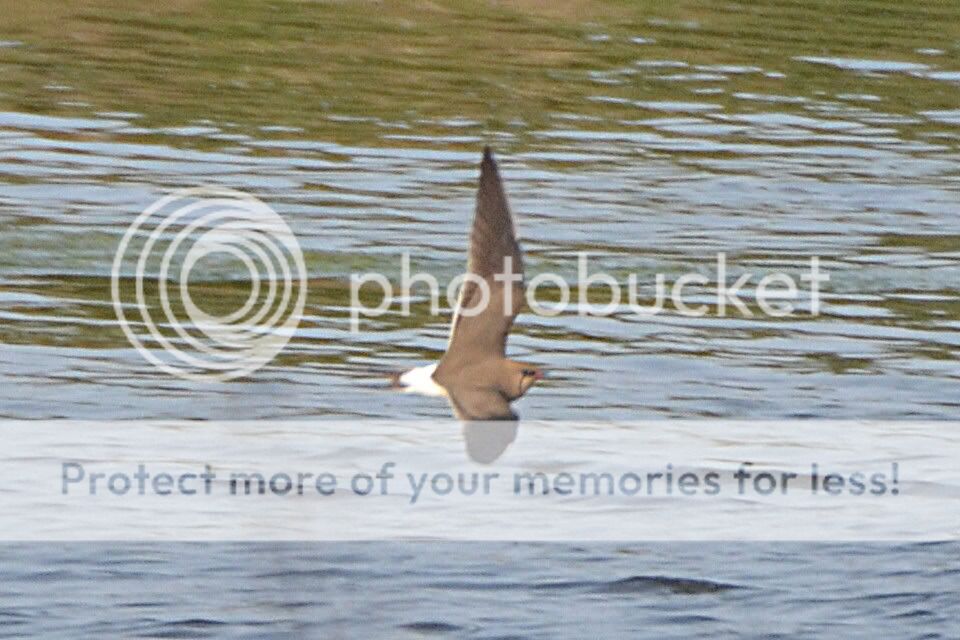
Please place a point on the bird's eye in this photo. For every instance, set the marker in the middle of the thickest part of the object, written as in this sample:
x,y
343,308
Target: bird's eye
x,y
529,372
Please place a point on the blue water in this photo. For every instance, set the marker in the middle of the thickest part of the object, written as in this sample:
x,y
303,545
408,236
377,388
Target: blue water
x,y
474,590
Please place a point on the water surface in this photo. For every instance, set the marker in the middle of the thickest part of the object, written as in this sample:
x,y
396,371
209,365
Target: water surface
x,y
653,136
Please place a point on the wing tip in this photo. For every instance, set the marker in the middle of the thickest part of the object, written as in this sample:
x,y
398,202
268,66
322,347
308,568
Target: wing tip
x,y
489,171
488,160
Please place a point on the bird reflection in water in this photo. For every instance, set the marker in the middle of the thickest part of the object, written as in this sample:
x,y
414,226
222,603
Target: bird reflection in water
x,y
487,440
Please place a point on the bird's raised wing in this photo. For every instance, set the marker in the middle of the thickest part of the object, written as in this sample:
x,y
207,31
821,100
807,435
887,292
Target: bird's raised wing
x,y
480,327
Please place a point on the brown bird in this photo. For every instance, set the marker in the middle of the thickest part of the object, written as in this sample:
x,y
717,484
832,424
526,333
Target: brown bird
x,y
474,374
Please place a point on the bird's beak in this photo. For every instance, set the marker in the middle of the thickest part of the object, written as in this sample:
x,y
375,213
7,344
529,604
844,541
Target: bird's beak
x,y
538,376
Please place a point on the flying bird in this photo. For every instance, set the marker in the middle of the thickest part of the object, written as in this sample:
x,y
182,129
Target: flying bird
x,y
474,374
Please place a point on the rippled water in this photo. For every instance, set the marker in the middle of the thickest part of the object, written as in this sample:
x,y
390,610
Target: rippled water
x,y
478,591
652,136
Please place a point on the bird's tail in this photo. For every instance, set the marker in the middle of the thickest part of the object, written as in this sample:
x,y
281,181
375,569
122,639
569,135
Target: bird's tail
x,y
395,381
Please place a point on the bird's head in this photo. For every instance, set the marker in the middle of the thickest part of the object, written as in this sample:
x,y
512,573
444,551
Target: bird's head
x,y
522,376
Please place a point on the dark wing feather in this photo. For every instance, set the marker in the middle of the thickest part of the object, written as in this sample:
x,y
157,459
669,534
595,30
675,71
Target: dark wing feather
x,y
492,240
479,404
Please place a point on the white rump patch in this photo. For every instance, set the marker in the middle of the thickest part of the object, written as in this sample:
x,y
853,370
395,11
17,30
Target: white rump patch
x,y
420,380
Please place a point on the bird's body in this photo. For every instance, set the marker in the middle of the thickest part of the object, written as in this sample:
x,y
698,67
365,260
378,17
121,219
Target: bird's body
x,y
474,374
